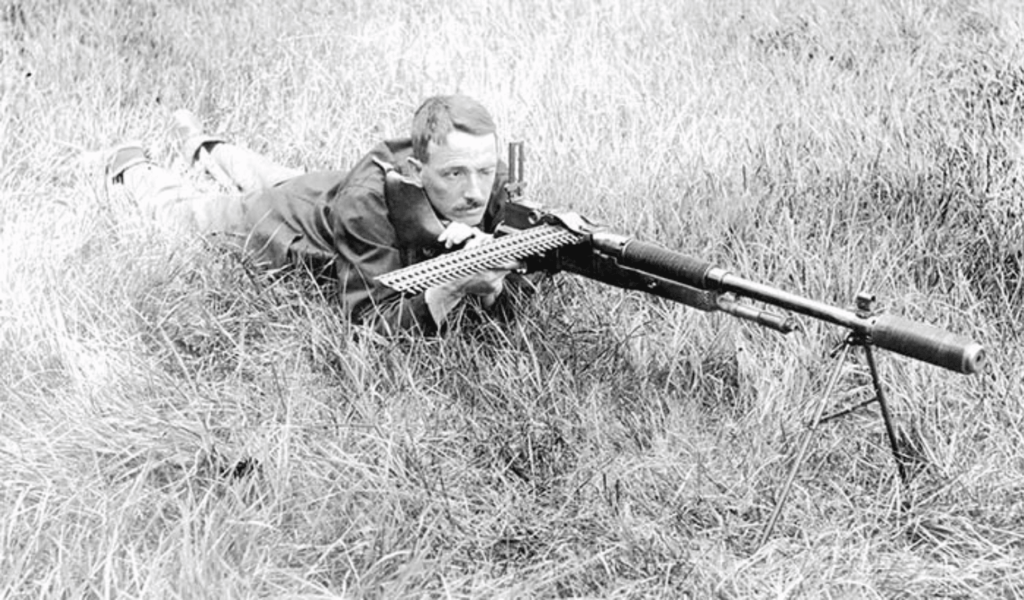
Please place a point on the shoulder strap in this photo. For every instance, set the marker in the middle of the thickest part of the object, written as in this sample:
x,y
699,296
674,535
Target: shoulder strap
x,y
411,214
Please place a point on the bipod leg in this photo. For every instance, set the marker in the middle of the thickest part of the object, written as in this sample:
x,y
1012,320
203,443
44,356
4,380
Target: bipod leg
x,y
865,308
804,444
890,428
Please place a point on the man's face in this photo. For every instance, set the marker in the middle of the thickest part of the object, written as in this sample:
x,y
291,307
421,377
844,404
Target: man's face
x,y
459,175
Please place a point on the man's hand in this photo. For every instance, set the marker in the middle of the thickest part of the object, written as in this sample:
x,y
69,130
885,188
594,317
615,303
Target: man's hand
x,y
489,284
456,234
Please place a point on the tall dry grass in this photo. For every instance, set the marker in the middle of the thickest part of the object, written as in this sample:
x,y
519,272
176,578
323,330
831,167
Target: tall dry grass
x,y
176,425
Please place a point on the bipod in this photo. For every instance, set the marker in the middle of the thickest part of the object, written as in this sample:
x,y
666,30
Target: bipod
x,y
865,306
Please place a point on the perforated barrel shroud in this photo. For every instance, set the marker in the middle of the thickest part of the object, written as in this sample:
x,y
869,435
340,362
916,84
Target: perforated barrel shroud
x,y
488,255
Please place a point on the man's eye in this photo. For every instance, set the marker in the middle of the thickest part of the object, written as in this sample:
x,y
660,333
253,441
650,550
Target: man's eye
x,y
452,173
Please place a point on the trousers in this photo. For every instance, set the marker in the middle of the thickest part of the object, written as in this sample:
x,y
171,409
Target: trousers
x,y
178,206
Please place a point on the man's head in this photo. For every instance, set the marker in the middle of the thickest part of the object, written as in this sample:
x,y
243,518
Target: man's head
x,y
455,156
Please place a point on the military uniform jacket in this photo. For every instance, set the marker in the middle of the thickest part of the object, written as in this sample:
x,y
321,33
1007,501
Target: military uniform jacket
x,y
338,222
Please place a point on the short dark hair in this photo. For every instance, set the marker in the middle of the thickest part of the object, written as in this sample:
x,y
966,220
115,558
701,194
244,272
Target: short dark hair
x,y
440,115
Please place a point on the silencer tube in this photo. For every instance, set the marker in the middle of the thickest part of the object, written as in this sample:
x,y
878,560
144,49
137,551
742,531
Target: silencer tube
x,y
927,343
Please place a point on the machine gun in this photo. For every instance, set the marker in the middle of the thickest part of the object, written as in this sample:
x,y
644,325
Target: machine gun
x,y
552,240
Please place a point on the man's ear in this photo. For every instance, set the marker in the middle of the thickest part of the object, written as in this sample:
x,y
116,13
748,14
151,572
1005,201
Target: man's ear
x,y
415,167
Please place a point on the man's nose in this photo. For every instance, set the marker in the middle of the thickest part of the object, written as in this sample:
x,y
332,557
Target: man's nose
x,y
474,190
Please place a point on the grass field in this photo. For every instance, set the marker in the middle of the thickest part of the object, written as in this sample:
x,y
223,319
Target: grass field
x,y
173,424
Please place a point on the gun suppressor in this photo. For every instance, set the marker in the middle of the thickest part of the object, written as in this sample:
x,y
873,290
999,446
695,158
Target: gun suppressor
x,y
923,342
927,343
